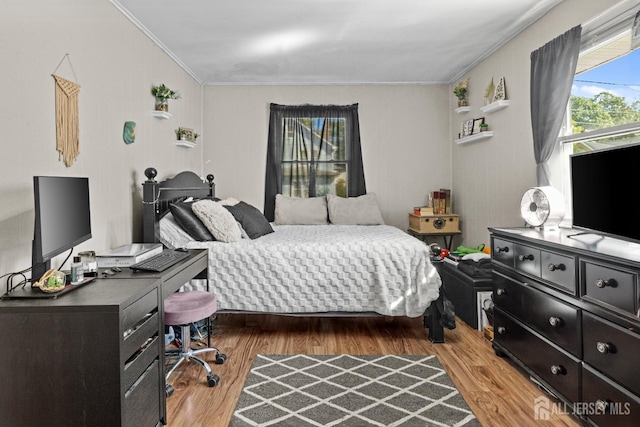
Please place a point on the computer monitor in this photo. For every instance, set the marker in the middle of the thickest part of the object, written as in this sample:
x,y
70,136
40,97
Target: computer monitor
x,y
62,219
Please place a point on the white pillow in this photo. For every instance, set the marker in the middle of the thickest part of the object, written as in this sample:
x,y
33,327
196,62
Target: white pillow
x,y
171,234
361,210
218,220
300,211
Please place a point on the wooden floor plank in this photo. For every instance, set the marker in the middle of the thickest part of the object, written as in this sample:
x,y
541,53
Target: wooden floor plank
x,y
498,392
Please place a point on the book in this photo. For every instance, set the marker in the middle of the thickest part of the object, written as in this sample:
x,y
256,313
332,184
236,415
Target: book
x,y
423,210
447,200
126,255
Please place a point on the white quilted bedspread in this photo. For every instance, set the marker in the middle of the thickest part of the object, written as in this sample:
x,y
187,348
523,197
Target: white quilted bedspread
x,y
324,268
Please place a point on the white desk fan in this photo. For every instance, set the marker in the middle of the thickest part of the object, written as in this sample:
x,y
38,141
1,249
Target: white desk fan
x,y
542,207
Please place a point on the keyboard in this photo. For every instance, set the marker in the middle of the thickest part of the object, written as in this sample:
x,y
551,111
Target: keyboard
x,y
161,261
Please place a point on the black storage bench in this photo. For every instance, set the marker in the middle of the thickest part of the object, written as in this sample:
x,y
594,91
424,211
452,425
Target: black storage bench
x,y
467,293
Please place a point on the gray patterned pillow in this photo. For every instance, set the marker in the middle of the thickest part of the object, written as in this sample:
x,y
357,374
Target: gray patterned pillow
x,y
361,210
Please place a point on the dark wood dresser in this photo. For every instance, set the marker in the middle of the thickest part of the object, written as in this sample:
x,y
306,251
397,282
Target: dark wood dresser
x,y
567,311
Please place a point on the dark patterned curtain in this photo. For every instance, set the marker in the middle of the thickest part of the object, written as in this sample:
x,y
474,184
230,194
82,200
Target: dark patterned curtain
x,y
313,151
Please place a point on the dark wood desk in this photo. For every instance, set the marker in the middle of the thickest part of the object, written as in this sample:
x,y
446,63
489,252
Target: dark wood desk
x,y
94,356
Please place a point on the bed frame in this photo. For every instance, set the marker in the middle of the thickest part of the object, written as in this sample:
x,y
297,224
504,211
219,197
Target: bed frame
x,y
156,197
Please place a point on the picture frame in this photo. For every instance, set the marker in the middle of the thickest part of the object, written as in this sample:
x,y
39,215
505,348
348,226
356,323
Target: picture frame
x,y
500,91
186,134
476,125
468,127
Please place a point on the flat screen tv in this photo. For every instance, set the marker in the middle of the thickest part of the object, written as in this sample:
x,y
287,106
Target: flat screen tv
x,y
605,192
62,218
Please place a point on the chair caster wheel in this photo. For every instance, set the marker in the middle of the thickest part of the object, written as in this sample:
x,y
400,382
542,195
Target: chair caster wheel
x,y
220,358
213,380
169,390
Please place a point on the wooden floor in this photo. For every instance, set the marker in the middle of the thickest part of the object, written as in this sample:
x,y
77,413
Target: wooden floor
x,y
496,390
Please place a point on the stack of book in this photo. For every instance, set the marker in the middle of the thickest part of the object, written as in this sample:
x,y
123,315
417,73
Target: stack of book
x,y
441,201
126,255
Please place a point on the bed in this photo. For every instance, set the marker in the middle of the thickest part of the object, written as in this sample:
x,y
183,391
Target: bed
x,y
320,269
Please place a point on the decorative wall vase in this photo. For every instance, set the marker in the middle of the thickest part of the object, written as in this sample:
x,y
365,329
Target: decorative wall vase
x,y
129,132
462,103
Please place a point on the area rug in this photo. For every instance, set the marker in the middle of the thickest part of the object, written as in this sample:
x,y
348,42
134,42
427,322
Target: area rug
x,y
350,391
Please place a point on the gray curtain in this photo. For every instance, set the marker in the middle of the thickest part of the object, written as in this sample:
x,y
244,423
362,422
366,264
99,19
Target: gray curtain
x,y
275,147
553,67
635,32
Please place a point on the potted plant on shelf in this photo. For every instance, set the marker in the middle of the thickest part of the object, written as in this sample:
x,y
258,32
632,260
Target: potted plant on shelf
x,y
484,127
163,94
461,92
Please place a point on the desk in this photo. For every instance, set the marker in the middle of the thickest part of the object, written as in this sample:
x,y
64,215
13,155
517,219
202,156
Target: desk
x,y
94,356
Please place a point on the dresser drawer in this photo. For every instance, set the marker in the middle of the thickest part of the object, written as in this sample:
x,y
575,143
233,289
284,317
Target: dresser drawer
x,y
611,286
133,314
607,404
527,259
135,366
556,320
612,350
142,400
559,271
558,369
502,252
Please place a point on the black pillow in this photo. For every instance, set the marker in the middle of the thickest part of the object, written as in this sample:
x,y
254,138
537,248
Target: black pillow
x,y
189,222
251,219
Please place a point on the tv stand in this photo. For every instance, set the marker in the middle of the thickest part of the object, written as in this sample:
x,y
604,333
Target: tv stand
x,y
93,357
567,312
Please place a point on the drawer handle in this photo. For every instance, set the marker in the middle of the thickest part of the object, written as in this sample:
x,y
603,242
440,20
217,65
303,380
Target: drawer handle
x,y
601,283
502,330
555,321
558,370
554,267
603,347
525,257
503,249
602,406
500,291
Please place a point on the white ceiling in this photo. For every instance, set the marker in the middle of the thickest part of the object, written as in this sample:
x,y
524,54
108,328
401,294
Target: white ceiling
x,y
331,41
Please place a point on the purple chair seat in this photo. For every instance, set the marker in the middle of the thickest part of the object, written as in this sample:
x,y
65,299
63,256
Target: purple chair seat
x,y
181,308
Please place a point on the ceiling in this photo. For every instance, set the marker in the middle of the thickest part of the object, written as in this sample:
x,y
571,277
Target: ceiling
x,y
331,41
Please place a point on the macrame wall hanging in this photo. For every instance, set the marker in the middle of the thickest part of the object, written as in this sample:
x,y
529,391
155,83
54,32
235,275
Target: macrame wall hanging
x,y
67,124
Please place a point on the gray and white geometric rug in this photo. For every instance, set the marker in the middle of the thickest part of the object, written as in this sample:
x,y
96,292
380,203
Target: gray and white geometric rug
x,y
350,391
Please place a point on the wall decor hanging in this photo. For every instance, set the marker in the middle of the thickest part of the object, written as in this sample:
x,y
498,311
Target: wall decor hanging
x,y
501,91
67,123
129,132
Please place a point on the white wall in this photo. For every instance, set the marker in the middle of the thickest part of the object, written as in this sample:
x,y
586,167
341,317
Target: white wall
x,y
404,132
115,64
490,176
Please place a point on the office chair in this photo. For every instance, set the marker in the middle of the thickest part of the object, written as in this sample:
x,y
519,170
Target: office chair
x,y
182,309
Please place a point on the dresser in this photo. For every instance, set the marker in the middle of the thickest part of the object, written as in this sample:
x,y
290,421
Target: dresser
x,y
567,311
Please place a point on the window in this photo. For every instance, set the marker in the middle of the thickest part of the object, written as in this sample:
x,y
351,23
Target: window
x,y
313,150
314,158
604,107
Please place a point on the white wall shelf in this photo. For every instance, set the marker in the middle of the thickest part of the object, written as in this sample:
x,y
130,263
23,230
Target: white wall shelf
x,y
475,137
188,144
462,110
161,114
495,106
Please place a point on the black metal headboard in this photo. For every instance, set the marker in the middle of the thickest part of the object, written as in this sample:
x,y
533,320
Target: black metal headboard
x,y
156,197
